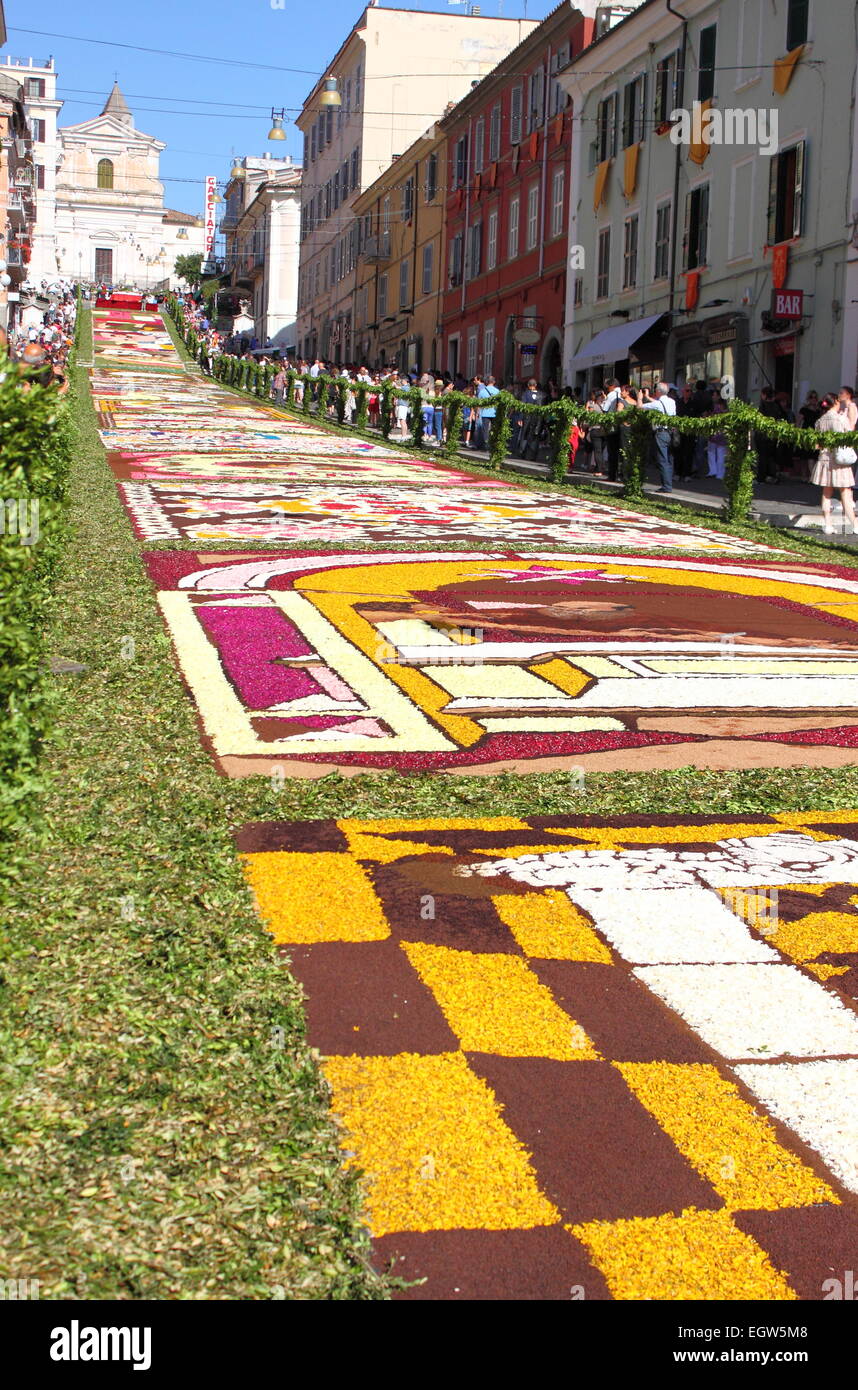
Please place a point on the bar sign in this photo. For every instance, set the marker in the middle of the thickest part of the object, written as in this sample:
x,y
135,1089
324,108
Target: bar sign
x,y
787,304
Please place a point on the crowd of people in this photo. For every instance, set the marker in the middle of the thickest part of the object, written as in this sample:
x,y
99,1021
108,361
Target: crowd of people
x,y
41,339
595,449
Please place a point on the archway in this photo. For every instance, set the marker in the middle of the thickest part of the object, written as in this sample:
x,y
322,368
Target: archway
x,y
551,363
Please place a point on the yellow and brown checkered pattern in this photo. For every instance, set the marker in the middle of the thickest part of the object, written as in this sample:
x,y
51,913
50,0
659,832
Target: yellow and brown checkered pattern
x,y
532,1122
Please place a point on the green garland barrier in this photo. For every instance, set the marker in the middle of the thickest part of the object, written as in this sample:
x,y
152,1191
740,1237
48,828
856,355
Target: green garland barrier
x,y
742,424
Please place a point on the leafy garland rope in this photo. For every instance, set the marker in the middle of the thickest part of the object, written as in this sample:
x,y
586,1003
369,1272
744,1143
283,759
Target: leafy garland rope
x,y
742,424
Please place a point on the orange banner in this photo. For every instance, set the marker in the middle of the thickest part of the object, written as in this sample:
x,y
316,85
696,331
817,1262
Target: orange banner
x,y
558,129
784,68
534,144
630,172
601,185
780,265
692,289
699,150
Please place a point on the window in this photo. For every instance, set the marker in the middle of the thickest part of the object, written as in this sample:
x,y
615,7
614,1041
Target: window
x,y
706,74
456,260
105,173
532,216
696,240
307,143
404,282
335,196
558,186
630,252
578,291
557,98
473,264
515,115
535,99
512,230
786,194
35,88
382,296
797,18
344,181
661,267
37,130
341,258
460,161
431,178
488,348
355,168
606,128
480,145
495,133
492,249
407,200
40,175
603,265
328,198
329,125
472,352
428,251
666,76
385,215
317,275
358,82
634,108
347,100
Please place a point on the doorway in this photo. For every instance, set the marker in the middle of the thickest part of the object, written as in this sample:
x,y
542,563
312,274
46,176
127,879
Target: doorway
x,y
104,264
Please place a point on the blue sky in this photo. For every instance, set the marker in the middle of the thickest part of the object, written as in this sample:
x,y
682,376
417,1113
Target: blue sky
x,y
203,110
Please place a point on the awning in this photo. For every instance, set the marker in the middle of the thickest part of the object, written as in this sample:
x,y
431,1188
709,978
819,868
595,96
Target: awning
x,y
612,344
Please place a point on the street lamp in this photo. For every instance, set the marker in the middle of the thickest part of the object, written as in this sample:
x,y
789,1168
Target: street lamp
x,y
277,132
330,94
236,172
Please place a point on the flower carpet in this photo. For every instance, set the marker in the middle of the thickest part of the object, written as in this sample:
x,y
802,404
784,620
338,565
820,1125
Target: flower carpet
x,y
481,662
573,1057
585,1058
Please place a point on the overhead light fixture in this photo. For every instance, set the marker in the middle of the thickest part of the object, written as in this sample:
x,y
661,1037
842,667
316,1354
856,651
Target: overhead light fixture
x,y
714,303
236,172
277,132
217,198
330,93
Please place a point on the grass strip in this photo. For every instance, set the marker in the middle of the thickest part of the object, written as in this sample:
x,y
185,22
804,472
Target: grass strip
x,y
165,1127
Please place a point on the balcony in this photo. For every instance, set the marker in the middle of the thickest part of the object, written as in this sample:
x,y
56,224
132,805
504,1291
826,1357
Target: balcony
x,y
376,248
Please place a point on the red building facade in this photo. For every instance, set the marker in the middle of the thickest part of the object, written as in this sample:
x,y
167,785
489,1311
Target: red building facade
x,y
507,211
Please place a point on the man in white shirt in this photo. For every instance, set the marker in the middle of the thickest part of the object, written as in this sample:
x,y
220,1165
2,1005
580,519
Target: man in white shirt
x,y
665,405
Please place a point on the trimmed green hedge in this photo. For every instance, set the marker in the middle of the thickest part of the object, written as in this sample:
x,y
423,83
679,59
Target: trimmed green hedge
x,y
35,449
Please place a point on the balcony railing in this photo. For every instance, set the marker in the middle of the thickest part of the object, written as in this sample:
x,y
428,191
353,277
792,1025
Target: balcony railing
x,y
377,248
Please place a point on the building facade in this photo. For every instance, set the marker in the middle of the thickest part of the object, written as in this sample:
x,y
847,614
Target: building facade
x,y
506,203
182,235
400,267
266,249
396,70
17,197
39,81
109,201
690,226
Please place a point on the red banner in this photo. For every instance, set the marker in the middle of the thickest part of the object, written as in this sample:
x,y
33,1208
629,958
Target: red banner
x,y
692,288
780,265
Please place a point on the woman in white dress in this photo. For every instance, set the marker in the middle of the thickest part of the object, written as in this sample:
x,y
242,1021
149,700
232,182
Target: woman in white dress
x,y
834,467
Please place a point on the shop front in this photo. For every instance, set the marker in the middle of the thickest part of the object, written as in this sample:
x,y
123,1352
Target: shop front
x,y
712,350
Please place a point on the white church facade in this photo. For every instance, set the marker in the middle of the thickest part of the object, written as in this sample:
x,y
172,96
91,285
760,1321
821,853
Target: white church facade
x,y
111,224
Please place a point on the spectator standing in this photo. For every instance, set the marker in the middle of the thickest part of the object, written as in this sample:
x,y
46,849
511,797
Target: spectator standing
x,y
662,404
835,467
